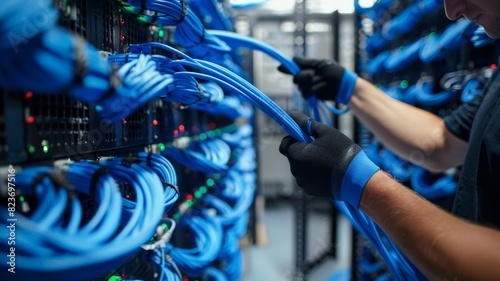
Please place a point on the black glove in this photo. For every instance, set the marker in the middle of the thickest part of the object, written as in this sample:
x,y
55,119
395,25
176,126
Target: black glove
x,y
325,79
331,166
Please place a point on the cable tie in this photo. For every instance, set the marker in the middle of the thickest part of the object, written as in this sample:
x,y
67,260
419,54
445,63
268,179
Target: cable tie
x,y
128,161
184,12
200,97
95,178
175,187
114,83
148,159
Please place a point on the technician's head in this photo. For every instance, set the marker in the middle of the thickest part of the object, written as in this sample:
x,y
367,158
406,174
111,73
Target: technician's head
x,y
484,12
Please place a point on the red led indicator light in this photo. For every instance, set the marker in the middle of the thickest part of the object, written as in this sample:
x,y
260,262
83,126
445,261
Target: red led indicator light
x,y
176,132
30,120
28,95
122,38
155,122
189,197
182,128
493,66
211,126
124,122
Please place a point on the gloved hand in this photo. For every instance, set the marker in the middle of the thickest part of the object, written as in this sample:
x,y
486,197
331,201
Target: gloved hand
x,y
325,79
331,166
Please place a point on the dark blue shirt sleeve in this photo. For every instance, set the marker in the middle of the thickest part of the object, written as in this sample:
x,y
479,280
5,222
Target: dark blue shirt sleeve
x,y
459,122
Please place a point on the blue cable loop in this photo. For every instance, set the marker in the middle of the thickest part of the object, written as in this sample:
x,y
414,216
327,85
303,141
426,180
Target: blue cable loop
x,y
443,186
426,97
207,237
453,37
480,38
471,89
404,56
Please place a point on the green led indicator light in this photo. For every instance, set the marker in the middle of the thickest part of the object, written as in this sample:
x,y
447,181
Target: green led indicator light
x,y
177,216
203,190
216,176
211,134
378,85
165,226
143,18
404,84
129,8
202,137
210,182
218,132
198,194
161,146
21,198
161,33
432,35
190,203
115,278
31,149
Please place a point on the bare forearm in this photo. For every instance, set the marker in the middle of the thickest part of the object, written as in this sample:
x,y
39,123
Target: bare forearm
x,y
410,132
441,245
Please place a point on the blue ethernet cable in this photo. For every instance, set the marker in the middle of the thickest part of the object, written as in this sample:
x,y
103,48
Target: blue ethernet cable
x,y
408,18
480,38
166,172
206,231
441,45
213,13
209,156
190,32
472,88
404,56
399,168
377,64
246,4
443,186
427,97
214,274
62,253
41,51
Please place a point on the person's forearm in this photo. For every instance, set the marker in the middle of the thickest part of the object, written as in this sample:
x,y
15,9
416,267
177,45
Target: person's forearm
x,y
410,132
442,246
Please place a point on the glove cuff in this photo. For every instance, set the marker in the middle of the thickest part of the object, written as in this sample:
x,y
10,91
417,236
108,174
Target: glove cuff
x,y
346,87
358,173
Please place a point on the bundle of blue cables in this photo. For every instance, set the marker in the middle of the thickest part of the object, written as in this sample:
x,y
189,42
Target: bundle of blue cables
x,y
166,172
206,233
209,156
190,32
426,96
50,239
443,186
408,18
50,53
213,13
404,56
453,37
